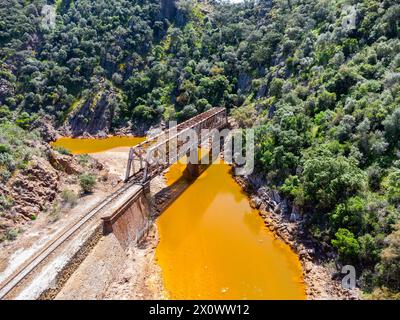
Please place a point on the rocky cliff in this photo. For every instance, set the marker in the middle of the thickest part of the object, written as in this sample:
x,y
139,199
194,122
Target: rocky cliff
x,y
94,116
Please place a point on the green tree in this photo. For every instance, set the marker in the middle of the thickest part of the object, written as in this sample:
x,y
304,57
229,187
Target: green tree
x,y
326,100
392,186
329,180
392,127
350,214
389,268
347,245
275,88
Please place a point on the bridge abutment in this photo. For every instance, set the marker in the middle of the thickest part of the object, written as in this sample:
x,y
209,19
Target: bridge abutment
x,y
129,217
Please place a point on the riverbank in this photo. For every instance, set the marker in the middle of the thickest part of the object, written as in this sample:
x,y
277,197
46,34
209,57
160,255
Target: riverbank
x,y
319,271
136,273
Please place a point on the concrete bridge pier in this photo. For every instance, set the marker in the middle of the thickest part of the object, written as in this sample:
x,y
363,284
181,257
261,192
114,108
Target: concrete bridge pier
x,y
192,170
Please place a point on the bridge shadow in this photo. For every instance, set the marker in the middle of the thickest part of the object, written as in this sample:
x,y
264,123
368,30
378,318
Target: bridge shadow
x,y
166,196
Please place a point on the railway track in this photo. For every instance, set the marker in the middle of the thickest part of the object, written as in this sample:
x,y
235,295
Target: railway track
x,y
37,259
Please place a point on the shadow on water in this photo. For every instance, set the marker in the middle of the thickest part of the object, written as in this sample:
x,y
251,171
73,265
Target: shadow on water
x,y
165,197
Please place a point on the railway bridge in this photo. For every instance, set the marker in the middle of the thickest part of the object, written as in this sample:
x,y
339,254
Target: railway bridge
x,y
129,217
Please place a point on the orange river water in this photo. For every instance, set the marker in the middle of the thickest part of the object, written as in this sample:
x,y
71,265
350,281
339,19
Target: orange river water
x,y
91,145
213,245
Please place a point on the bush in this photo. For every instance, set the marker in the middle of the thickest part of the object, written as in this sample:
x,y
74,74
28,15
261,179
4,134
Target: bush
x,y
144,113
87,181
83,159
327,181
24,120
187,112
5,148
15,150
5,113
12,234
389,268
346,245
383,293
275,88
54,211
326,100
5,202
392,186
62,150
292,188
69,198
349,214
245,116
392,127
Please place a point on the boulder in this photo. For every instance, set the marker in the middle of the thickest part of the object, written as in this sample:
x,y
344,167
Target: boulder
x,y
295,214
277,208
271,112
45,127
303,254
101,134
308,267
27,211
244,81
255,202
65,163
274,195
262,193
96,164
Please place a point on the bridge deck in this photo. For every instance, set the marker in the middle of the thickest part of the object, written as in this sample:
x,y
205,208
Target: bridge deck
x,y
158,147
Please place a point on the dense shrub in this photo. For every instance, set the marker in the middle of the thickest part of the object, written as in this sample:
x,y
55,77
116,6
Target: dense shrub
x,y
16,149
346,245
69,197
87,181
327,181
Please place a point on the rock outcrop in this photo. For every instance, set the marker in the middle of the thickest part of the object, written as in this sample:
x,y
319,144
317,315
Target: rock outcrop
x,y
6,90
33,189
168,9
94,117
44,125
65,163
